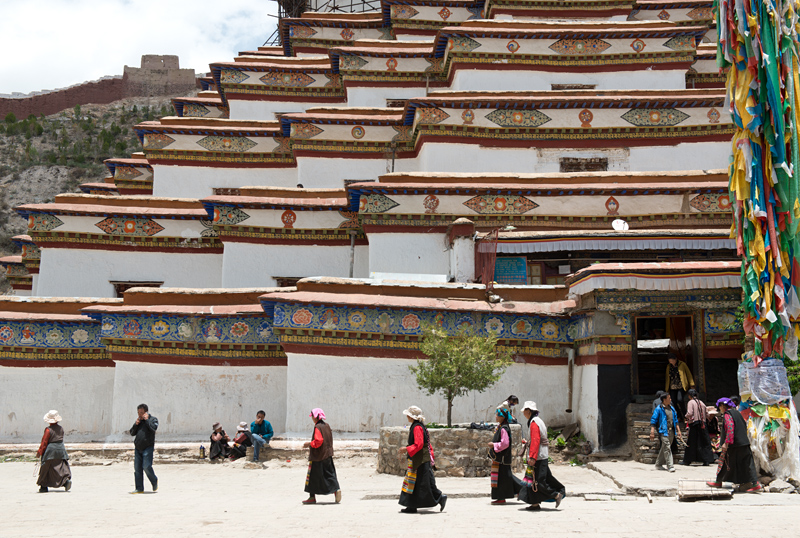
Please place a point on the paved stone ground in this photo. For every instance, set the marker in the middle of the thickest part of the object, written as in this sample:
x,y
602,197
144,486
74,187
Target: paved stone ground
x,y
197,500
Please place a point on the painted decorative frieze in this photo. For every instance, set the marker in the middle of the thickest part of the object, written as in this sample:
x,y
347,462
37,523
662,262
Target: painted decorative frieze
x,y
351,219
127,172
212,330
194,110
351,61
157,141
49,335
305,130
701,14
226,143
431,115
130,226
476,12
411,322
579,47
711,203
721,322
403,12
403,133
301,32
681,42
517,118
228,215
375,203
287,80
654,117
41,222
232,76
488,204
463,44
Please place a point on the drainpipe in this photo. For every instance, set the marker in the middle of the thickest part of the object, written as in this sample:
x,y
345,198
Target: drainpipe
x,y
352,251
571,369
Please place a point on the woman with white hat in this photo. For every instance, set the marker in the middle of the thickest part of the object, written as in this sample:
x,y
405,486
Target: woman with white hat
x,y
54,471
242,440
419,487
540,484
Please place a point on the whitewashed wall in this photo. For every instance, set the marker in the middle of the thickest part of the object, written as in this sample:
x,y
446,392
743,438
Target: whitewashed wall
x,y
353,392
317,172
86,273
376,97
199,181
479,79
82,395
421,253
585,402
252,265
187,400
265,110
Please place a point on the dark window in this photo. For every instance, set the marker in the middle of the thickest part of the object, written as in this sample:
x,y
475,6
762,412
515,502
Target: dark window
x,y
287,281
573,86
222,191
121,287
570,164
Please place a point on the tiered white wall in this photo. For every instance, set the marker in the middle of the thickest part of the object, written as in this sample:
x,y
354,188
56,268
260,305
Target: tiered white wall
x,y
252,265
86,273
480,79
200,181
82,395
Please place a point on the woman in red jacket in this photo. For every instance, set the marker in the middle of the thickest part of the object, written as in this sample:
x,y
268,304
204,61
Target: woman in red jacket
x,y
54,471
419,486
321,477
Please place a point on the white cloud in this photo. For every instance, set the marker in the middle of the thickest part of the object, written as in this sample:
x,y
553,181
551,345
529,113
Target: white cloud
x,y
56,43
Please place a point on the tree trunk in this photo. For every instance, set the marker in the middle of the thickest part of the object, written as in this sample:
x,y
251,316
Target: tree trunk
x,y
450,412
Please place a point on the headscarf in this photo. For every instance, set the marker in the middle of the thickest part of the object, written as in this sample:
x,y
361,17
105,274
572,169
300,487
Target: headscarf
x,y
317,413
727,402
503,411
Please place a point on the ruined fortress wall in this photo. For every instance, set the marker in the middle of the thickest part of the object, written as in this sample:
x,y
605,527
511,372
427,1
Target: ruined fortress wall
x,y
100,92
158,75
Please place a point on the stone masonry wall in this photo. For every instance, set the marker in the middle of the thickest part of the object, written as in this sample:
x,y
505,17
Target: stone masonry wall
x,y
643,449
159,75
458,451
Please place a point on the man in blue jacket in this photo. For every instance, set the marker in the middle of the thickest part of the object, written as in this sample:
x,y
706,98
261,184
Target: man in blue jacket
x,y
261,431
665,419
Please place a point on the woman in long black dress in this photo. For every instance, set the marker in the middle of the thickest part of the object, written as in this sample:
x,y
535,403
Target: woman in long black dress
x,y
242,440
504,484
54,471
736,462
698,446
220,449
540,484
419,486
321,476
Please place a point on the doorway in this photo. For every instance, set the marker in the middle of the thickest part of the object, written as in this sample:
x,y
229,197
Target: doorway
x,y
656,337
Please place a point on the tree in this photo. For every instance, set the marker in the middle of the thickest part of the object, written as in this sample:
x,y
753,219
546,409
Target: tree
x,y
11,118
458,364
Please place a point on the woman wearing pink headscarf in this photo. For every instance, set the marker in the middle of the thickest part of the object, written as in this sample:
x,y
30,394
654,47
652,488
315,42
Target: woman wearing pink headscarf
x,y
321,477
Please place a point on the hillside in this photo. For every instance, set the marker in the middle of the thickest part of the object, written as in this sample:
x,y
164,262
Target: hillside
x,y
44,156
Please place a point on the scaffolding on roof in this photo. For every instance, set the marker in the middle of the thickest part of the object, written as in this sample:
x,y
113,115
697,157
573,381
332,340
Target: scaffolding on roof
x,y
296,8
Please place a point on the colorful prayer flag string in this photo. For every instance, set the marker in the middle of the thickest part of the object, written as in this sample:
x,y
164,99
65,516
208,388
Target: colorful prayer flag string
x,y
758,45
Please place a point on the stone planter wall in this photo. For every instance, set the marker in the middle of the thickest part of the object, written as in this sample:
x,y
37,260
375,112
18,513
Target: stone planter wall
x,y
459,451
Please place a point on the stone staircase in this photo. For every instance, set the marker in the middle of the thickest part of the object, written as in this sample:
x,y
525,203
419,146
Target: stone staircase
x,y
643,450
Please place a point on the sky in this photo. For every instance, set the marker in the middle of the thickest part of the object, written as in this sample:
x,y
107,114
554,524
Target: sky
x,y
49,44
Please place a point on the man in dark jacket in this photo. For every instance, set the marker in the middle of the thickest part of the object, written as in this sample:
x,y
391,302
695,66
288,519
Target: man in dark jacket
x,y
144,432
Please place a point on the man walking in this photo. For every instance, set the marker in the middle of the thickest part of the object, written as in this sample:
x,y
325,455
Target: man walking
x,y
665,418
144,432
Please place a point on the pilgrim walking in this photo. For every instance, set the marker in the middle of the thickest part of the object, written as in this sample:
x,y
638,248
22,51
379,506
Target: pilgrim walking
x,y
321,476
736,462
54,471
539,484
419,486
504,484
698,444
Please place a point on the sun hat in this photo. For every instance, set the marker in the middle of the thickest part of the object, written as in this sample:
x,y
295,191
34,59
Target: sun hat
x,y
317,413
52,417
242,427
414,412
215,426
711,410
530,405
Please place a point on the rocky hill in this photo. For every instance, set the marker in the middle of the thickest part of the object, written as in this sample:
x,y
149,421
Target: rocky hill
x,y
44,156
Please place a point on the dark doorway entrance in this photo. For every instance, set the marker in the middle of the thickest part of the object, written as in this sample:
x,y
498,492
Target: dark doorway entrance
x,y
656,336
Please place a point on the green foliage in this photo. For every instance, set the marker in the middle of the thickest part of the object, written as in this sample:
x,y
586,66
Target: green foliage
x,y
575,461
11,118
560,442
458,364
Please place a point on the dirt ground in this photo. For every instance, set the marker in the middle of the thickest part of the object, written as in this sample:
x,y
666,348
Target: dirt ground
x,y
198,500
